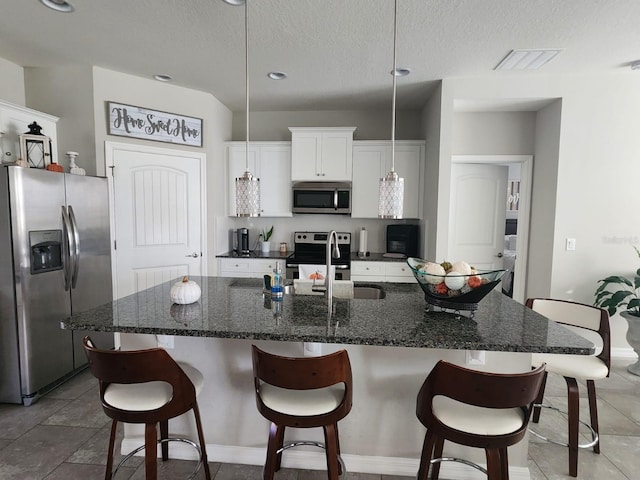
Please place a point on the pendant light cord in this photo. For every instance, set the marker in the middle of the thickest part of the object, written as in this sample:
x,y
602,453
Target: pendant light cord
x,y
393,73
246,76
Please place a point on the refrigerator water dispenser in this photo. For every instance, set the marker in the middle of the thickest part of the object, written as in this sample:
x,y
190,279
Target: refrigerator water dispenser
x,y
46,250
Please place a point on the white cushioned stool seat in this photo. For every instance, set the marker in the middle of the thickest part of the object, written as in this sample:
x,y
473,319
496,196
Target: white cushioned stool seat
x,y
582,367
477,420
140,397
304,403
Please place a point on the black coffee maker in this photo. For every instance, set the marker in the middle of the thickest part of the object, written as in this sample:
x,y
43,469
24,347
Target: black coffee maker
x,y
242,241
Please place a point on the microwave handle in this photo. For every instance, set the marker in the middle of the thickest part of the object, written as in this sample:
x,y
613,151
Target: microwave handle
x,y
335,199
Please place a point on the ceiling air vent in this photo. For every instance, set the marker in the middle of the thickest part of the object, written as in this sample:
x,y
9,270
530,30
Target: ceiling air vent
x,y
527,59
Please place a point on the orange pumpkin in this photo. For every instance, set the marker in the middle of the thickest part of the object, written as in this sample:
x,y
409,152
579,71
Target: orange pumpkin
x,y
474,281
316,276
55,167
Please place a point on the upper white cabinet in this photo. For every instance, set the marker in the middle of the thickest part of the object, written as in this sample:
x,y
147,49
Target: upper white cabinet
x,y
371,161
15,120
321,154
271,163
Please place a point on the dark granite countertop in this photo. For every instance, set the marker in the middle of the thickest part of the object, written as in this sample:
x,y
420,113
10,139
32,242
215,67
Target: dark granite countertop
x,y
237,308
376,257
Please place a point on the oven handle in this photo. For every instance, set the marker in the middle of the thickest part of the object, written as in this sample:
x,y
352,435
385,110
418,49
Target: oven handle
x,y
337,267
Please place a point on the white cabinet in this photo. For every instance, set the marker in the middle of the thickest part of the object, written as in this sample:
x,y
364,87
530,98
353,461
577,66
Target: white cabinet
x,y
248,267
15,120
398,272
271,163
321,154
371,161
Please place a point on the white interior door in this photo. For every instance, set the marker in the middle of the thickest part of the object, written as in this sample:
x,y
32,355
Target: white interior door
x,y
158,215
478,210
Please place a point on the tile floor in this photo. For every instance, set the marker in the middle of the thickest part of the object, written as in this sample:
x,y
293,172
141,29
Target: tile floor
x,y
64,437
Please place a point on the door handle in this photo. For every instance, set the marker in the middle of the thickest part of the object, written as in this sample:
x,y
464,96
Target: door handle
x,y
499,255
193,255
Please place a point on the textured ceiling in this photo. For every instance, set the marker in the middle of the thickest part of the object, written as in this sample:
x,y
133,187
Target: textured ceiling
x,y
337,53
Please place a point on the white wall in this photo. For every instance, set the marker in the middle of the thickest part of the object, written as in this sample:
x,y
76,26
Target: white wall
x,y
67,93
11,82
493,133
118,87
371,124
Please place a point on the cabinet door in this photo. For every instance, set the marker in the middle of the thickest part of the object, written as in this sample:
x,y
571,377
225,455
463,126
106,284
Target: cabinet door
x,y
369,163
232,267
236,166
408,165
306,156
336,156
275,180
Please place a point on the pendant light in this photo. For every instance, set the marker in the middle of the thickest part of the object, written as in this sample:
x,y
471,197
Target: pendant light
x,y
391,198
247,186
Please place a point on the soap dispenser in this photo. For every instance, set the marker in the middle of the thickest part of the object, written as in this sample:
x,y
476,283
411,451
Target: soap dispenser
x,y
277,288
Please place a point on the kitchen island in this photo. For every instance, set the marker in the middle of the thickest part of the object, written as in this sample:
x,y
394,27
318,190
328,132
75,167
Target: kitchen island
x,y
392,342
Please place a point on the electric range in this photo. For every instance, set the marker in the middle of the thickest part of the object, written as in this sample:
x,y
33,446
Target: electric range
x,y
309,248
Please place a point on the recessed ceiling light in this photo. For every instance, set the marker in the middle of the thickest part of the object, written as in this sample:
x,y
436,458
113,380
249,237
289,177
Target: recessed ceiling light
x,y
163,78
58,5
527,59
277,75
402,72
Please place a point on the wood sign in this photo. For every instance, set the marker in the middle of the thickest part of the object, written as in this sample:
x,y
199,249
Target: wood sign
x,y
138,122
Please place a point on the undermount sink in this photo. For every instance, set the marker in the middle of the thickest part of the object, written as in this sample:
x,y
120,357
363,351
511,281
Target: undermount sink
x,y
368,292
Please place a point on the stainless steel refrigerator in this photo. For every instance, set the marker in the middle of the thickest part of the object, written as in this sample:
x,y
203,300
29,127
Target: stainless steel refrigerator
x,y
55,260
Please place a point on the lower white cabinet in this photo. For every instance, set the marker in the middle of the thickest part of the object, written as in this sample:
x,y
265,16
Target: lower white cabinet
x,y
248,267
271,163
398,272
371,161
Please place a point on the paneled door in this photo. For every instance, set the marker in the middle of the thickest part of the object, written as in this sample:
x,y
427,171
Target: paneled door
x,y
158,217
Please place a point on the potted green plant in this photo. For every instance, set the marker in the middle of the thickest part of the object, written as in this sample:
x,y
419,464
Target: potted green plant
x,y
619,292
265,244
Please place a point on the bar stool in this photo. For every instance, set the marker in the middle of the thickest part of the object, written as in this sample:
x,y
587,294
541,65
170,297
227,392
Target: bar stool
x,y
584,320
476,409
146,386
303,393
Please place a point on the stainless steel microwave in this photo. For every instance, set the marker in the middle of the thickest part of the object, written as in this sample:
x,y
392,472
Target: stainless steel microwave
x,y
322,197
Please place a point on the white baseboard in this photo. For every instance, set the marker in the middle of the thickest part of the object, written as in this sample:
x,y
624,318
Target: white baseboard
x,y
315,460
623,353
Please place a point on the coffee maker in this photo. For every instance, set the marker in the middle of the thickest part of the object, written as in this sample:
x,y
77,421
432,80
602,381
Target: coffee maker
x,y
242,238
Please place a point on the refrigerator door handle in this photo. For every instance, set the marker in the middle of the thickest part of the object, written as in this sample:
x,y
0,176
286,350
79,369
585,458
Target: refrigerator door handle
x,y
76,248
69,258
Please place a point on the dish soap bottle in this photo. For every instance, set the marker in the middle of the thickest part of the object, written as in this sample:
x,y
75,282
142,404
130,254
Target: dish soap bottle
x,y
277,288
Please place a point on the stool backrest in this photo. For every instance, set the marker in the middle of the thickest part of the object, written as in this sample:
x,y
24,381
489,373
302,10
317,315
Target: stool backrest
x,y
578,315
140,366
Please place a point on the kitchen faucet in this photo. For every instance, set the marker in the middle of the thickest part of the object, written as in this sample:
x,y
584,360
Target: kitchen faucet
x,y
328,280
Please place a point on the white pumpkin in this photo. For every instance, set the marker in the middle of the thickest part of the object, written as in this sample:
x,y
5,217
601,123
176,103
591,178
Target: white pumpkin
x,y
185,292
461,267
454,280
434,269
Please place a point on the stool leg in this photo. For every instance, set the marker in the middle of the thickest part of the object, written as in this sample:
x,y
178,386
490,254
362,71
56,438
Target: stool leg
x,y
494,470
272,448
338,449
536,410
164,433
203,445
574,415
437,453
112,439
425,458
150,451
279,443
504,463
593,411
331,450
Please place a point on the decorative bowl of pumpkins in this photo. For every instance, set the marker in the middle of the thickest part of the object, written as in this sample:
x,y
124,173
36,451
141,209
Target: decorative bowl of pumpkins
x,y
456,286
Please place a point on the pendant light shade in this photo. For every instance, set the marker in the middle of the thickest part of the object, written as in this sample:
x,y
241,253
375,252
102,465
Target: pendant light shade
x,y
247,186
391,200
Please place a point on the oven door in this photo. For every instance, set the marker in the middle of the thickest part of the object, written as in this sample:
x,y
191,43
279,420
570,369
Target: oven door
x,y
318,197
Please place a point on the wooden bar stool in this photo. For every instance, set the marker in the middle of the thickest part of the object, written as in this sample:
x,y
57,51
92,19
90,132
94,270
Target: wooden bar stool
x,y
584,320
303,393
477,409
147,386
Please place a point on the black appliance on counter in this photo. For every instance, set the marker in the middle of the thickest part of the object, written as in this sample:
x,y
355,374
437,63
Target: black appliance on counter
x,y
403,240
242,238
309,248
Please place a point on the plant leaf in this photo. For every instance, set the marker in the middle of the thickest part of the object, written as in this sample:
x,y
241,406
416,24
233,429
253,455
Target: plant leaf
x,y
616,279
633,303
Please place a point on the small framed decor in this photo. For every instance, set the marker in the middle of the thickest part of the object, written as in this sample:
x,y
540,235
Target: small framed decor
x,y
138,122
